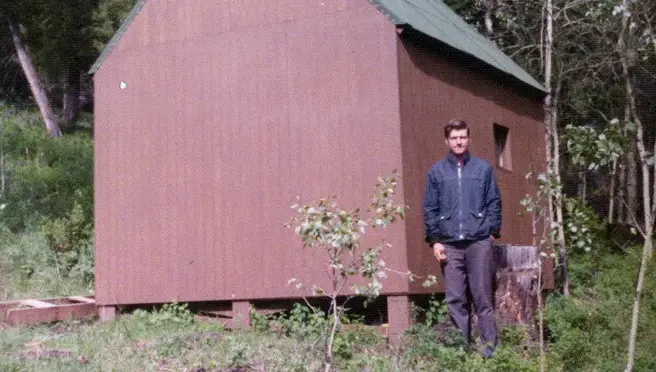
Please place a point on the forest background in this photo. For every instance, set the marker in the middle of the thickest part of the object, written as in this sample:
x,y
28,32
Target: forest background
x,y
596,58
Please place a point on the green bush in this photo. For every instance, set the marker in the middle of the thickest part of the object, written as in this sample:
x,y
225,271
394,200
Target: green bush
x,y
45,177
169,314
46,208
589,330
303,322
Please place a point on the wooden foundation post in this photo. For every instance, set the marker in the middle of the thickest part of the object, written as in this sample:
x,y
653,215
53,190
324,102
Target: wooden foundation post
x,y
398,314
107,313
241,315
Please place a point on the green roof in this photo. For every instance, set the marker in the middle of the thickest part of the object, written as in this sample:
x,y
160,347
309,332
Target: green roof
x,y
437,20
430,17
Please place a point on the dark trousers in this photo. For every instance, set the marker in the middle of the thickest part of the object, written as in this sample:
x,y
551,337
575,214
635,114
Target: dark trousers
x,y
471,265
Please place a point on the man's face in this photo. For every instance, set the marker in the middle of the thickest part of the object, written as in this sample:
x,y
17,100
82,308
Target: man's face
x,y
458,141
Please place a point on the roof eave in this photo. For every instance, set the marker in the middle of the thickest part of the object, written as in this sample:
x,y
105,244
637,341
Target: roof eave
x,y
401,15
117,36
527,80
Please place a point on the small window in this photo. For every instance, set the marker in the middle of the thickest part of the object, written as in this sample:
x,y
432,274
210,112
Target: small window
x,y
502,146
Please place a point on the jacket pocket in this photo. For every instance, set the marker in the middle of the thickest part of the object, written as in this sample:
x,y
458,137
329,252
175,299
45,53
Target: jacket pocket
x,y
478,225
446,225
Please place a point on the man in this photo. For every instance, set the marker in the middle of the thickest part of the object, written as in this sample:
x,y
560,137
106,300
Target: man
x,y
462,216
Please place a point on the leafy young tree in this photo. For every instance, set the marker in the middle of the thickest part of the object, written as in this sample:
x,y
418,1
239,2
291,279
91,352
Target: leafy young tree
x,y
337,232
628,49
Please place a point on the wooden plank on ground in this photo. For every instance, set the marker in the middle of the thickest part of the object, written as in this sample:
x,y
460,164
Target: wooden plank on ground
x,y
4,306
50,314
37,304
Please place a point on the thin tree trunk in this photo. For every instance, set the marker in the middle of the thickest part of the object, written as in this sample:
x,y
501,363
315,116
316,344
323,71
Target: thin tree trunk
x,y
647,215
582,187
611,192
489,27
636,303
71,96
555,204
631,184
562,247
625,46
538,252
548,103
621,186
328,356
622,216
36,86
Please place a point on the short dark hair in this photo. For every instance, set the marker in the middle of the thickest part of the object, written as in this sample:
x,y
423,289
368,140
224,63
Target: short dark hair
x,y
455,124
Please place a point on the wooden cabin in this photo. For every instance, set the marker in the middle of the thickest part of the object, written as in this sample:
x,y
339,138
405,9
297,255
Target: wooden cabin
x,y
212,117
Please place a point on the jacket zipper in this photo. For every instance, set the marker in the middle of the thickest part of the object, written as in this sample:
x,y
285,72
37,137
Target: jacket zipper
x,y
460,202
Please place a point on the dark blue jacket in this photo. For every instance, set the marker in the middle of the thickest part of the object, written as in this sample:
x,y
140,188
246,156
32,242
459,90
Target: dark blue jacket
x,y
461,204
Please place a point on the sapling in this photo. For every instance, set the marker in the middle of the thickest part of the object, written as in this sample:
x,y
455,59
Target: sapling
x,y
534,206
325,226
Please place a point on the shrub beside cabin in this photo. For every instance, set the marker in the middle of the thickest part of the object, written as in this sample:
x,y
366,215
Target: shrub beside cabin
x,y
211,117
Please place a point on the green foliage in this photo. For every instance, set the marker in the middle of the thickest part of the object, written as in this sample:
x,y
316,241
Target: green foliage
x,y
324,225
587,330
239,352
349,343
517,335
434,312
70,240
107,18
303,322
45,177
584,229
169,314
258,322
433,350
46,210
590,149
437,311
28,269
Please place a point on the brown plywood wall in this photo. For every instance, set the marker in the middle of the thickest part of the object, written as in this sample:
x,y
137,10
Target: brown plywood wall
x,y
211,117
435,88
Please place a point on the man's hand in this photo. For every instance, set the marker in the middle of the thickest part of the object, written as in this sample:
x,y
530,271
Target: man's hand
x,y
439,252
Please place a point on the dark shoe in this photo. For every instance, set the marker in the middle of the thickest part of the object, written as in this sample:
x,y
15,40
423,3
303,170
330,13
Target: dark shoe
x,y
487,352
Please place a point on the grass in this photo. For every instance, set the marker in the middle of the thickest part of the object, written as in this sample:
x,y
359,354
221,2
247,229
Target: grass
x,y
28,270
137,343
134,344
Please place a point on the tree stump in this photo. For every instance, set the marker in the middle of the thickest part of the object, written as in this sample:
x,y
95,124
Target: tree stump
x,y
516,285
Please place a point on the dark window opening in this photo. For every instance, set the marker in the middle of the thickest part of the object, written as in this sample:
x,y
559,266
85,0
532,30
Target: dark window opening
x,y
502,145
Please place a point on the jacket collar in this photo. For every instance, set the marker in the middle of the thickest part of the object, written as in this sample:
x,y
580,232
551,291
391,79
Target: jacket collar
x,y
454,162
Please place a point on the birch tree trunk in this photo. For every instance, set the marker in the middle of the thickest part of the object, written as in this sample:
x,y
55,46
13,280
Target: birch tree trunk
x,y
626,49
621,186
611,192
631,185
36,86
553,143
562,252
489,26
